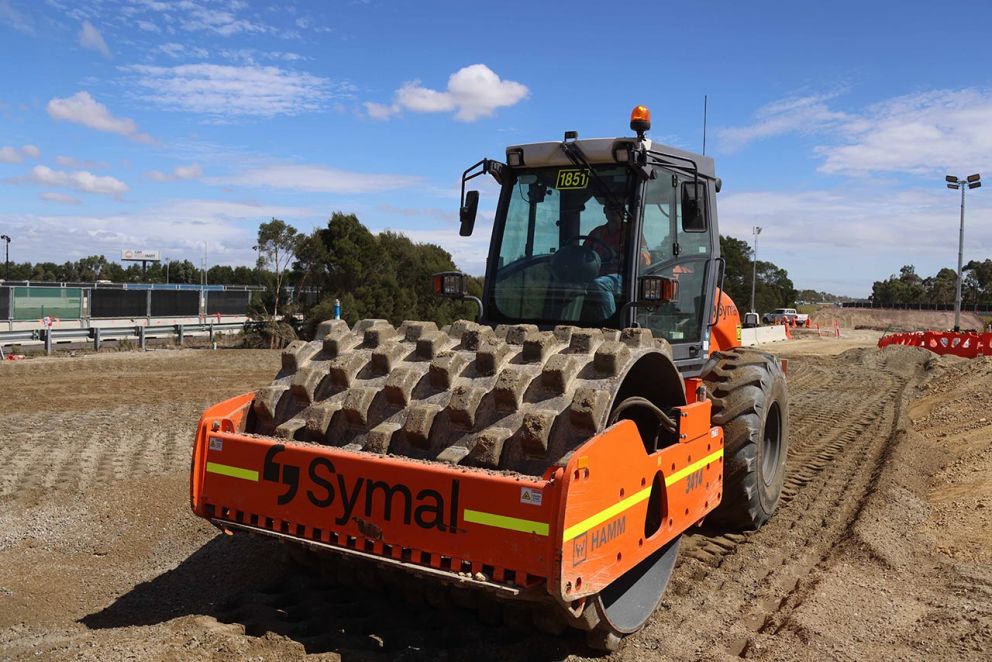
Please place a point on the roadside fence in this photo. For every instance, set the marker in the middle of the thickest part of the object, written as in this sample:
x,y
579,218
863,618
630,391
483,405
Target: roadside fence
x,y
968,345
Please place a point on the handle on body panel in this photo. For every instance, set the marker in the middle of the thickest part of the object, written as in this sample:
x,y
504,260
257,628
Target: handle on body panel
x,y
723,272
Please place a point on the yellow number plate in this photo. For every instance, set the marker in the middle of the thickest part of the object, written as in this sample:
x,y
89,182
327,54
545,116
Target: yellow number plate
x,y
572,179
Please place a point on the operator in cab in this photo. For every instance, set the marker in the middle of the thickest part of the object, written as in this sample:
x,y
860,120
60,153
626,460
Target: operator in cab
x,y
608,241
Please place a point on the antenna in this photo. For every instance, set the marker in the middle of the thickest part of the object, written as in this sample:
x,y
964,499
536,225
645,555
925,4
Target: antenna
x,y
705,104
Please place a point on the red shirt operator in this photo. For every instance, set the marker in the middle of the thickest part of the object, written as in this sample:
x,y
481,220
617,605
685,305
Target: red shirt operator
x,y
610,237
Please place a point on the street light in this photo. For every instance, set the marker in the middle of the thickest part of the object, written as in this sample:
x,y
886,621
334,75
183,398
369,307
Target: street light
x,y
6,258
972,181
754,265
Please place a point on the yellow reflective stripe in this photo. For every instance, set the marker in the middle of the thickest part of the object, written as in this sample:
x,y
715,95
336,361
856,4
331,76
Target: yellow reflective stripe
x,y
692,468
603,515
233,472
504,522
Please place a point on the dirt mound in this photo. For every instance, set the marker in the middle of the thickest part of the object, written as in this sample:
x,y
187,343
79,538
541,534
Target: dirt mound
x,y
893,320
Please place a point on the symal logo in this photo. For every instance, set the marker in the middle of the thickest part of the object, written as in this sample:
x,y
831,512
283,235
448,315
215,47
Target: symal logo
x,y
350,497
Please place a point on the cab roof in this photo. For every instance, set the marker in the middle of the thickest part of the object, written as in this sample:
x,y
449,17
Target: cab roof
x,y
600,150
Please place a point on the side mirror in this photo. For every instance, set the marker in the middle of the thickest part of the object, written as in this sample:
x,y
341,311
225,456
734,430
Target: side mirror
x,y
467,213
657,289
693,206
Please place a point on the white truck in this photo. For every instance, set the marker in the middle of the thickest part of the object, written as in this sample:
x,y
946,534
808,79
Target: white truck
x,y
779,315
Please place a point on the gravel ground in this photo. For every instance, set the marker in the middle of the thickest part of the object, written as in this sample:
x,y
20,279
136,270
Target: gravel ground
x,y
881,548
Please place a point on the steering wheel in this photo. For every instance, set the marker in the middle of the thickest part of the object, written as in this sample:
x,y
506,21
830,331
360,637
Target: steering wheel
x,y
611,253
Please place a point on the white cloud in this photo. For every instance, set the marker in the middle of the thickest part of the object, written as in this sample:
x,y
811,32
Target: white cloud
x,y
15,19
70,162
202,17
226,90
148,26
13,155
843,240
316,178
181,173
926,133
176,51
83,109
217,21
61,198
177,227
806,115
90,37
253,56
380,111
474,92
80,180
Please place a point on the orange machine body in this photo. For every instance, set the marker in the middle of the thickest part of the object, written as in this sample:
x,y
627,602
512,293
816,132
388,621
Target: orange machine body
x,y
571,532
726,333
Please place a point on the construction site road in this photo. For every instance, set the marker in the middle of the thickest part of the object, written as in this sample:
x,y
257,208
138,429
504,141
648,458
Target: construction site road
x,y
881,547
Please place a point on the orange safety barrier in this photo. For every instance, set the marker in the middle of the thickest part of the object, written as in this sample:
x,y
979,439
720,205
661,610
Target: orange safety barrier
x,y
965,344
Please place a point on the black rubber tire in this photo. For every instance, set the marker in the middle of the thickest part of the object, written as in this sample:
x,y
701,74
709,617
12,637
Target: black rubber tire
x,y
751,404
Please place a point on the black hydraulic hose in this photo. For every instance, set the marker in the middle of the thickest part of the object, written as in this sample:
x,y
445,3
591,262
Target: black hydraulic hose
x,y
664,420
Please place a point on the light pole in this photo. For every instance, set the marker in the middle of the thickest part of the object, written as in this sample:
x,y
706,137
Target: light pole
x,y
6,257
166,271
754,264
973,181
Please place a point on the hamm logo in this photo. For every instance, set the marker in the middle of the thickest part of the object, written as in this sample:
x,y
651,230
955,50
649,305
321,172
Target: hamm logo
x,y
608,532
580,549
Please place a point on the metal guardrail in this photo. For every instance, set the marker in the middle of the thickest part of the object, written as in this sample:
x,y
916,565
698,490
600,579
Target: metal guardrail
x,y
132,286
98,335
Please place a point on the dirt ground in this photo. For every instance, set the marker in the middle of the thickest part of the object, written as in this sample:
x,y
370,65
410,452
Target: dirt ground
x,y
895,320
881,547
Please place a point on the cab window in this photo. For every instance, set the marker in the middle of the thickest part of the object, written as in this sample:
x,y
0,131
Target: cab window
x,y
676,254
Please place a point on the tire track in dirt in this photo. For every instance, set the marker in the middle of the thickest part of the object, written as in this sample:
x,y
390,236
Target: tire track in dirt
x,y
840,429
75,451
825,419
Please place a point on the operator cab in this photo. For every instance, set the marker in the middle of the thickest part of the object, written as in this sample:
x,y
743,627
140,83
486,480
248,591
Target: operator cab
x,y
608,233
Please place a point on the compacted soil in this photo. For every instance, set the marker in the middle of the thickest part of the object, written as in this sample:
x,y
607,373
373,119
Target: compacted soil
x,y
881,547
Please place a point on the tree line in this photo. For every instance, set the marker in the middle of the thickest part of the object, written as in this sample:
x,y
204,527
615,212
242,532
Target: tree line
x,y
382,275
772,287
907,287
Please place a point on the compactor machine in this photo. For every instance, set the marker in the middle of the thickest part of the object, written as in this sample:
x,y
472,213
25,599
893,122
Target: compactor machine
x,y
548,456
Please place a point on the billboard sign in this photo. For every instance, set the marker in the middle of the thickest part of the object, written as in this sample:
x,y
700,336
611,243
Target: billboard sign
x,y
137,255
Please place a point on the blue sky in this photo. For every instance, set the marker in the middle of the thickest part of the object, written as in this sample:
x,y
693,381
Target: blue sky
x,y
163,125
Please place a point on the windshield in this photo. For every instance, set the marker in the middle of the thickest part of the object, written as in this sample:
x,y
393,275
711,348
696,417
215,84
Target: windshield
x,y
562,245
